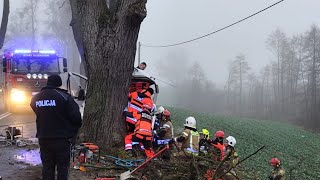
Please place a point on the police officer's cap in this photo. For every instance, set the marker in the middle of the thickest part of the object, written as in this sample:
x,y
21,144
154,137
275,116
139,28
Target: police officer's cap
x,y
54,81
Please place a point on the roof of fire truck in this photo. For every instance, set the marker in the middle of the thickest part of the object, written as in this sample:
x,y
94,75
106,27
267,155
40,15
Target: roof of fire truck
x,y
30,53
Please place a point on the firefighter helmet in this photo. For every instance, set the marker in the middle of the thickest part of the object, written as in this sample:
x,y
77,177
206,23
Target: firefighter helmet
x,y
205,133
161,109
231,141
191,122
166,113
219,134
274,162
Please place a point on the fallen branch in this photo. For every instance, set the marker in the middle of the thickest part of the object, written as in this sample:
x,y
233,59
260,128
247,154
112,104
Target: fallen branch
x,y
242,161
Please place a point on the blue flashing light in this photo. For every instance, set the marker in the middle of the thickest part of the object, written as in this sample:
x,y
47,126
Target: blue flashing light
x,y
26,51
47,51
20,51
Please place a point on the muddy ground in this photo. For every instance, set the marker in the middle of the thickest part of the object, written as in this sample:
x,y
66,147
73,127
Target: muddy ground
x,y
24,163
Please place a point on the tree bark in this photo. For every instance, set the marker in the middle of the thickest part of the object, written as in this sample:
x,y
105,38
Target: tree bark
x,y
109,42
4,22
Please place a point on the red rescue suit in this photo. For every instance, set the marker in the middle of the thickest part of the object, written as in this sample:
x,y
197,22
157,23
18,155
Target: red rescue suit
x,y
143,133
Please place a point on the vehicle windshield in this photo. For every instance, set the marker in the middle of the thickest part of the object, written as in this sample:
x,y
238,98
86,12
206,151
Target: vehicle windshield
x,y
35,65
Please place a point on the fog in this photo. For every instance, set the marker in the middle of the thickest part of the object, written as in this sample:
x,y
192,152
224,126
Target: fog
x,y
170,22
262,67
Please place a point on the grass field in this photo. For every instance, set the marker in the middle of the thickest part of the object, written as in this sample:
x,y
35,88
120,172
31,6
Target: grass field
x,y
298,149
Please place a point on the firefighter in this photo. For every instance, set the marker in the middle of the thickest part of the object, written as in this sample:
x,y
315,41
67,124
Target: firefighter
x,y
58,120
159,114
136,101
165,133
230,160
189,138
156,126
143,131
278,172
204,137
218,146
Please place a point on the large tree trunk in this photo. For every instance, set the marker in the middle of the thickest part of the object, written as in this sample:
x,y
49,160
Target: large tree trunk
x,y
109,36
4,22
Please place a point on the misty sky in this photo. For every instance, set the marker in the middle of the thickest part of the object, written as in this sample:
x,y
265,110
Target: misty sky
x,y
172,21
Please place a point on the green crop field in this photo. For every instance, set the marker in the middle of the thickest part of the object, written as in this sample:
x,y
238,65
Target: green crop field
x,y
298,149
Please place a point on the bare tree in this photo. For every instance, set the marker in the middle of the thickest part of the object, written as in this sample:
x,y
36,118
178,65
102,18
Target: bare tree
x,y
312,48
277,42
108,33
22,27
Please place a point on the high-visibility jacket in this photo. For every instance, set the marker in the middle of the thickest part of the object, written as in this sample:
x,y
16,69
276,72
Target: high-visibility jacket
x,y
191,141
221,148
144,125
146,97
277,173
136,101
135,104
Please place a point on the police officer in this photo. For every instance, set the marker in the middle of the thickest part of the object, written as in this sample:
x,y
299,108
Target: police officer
x,y
58,120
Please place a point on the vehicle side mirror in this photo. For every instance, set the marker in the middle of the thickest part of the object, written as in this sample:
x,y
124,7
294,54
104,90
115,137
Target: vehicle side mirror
x,y
65,69
64,62
81,95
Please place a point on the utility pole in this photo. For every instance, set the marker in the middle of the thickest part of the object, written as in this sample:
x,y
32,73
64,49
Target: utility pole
x,y
139,49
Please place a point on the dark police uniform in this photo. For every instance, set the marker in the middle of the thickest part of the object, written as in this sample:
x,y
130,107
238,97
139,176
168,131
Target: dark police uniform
x,y
58,121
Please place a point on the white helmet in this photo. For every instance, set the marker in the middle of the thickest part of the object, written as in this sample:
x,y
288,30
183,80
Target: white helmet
x,y
160,110
231,141
191,122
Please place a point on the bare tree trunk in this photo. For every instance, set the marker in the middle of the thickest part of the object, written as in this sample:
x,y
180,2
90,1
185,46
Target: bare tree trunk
x,y
4,21
278,76
240,101
33,8
314,86
109,39
228,92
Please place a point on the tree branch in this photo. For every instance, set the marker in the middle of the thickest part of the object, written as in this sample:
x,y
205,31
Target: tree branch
x,y
137,10
4,22
62,4
75,24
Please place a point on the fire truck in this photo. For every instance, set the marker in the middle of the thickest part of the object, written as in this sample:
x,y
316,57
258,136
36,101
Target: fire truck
x,y
24,73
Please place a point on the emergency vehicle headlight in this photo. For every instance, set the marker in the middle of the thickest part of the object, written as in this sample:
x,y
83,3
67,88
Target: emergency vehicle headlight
x,y
18,96
45,76
29,76
40,76
34,76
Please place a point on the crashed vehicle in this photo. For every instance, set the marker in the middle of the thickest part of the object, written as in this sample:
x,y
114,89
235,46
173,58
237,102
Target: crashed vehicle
x,y
140,80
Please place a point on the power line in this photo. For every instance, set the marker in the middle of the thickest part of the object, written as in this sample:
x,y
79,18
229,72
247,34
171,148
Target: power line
x,y
203,36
